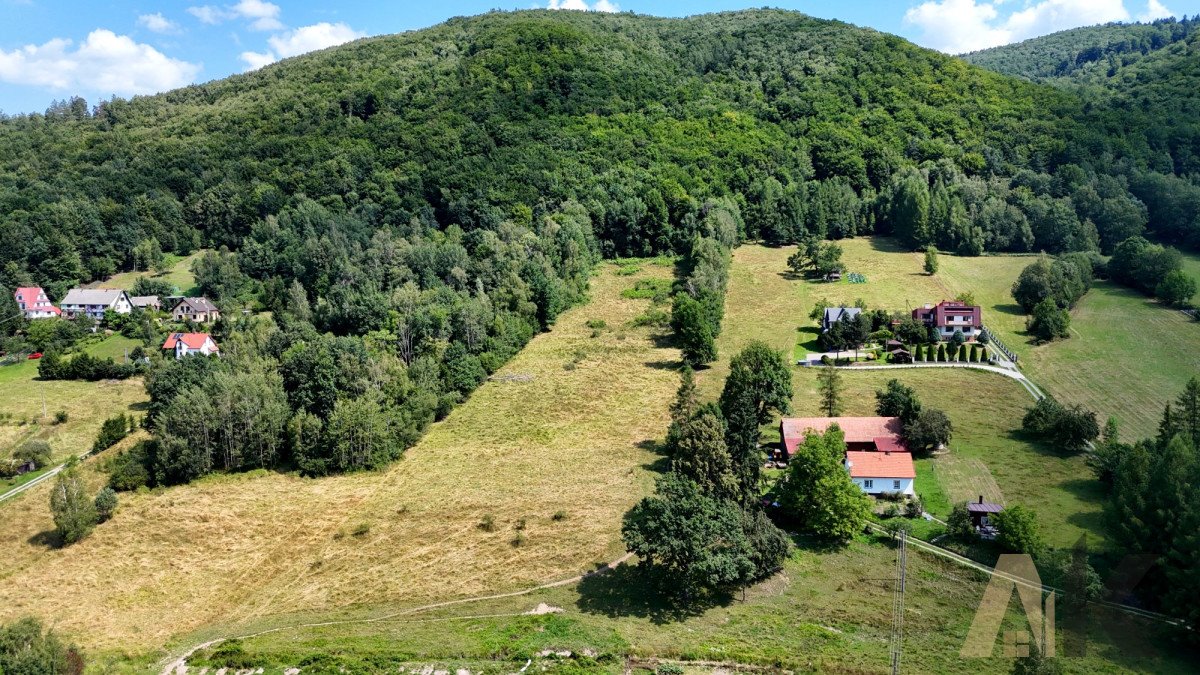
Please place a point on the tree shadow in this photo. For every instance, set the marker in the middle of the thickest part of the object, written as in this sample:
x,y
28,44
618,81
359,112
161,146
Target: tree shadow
x,y
630,591
1087,490
47,538
810,337
1009,308
660,465
887,245
664,364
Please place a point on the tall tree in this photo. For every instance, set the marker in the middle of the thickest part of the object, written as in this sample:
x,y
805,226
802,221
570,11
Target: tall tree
x,y
829,385
758,377
694,330
702,456
897,400
818,492
73,510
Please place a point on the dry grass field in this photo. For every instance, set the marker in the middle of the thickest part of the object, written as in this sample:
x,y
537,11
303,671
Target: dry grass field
x,y
537,440
87,405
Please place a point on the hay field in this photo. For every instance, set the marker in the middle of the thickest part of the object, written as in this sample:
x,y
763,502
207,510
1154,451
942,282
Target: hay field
x,y
87,405
179,274
236,549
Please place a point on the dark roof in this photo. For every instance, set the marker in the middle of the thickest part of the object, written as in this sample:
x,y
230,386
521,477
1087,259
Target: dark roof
x,y
984,507
835,314
197,305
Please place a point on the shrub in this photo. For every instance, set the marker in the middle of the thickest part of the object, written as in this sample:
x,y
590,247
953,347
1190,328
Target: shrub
x,y
597,324
112,431
914,508
559,515
361,530
895,526
519,540
668,669
487,523
891,511
106,504
60,417
941,352
958,524
974,353
129,470
519,525
35,450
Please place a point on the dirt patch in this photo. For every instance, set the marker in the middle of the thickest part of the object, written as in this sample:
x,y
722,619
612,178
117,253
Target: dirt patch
x,y
543,608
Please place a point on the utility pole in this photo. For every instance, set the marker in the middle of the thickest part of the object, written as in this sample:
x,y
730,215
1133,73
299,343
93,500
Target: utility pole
x,y
898,602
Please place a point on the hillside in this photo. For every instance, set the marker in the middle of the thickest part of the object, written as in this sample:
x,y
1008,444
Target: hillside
x,y
505,116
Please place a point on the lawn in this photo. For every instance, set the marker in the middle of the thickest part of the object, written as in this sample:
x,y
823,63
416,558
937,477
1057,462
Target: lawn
x,y
180,275
542,437
116,347
988,453
24,399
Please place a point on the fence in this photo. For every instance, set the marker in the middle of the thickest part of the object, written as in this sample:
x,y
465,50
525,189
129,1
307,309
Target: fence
x,y
997,343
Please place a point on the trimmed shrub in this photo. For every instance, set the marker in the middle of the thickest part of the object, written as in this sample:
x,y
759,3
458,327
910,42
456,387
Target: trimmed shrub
x,y
962,354
974,353
106,504
941,352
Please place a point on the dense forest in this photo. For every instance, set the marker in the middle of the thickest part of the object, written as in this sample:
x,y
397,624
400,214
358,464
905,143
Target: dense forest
x,y
411,209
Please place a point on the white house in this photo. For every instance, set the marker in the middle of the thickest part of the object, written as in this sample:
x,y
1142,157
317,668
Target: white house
x,y
187,344
879,472
34,303
94,302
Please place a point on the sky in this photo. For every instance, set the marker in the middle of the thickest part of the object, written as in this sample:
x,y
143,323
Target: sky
x,y
55,49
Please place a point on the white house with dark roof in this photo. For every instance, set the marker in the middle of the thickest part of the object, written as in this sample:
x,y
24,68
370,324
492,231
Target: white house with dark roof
x,y
199,310
94,302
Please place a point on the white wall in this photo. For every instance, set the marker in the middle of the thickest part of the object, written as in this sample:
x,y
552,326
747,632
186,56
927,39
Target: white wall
x,y
881,485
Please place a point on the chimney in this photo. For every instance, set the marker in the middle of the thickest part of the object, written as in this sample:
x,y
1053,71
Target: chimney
x,y
980,499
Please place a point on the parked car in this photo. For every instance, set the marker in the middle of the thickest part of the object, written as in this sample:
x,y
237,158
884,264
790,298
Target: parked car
x,y
35,355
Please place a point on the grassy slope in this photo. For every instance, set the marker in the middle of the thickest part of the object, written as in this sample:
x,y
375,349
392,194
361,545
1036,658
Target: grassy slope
x,y
989,453
87,404
179,274
829,611
236,549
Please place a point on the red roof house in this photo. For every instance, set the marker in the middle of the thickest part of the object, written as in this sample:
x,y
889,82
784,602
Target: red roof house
x,y
862,433
877,472
951,315
34,303
185,344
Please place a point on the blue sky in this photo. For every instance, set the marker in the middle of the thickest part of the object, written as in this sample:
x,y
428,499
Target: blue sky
x,y
98,48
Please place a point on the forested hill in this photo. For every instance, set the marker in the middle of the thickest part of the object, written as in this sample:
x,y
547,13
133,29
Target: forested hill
x,y
639,128
1092,53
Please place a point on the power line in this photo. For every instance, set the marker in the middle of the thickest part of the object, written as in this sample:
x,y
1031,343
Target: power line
x,y
898,602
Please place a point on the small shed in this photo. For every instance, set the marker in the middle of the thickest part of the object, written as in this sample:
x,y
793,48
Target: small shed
x,y
901,355
981,512
835,275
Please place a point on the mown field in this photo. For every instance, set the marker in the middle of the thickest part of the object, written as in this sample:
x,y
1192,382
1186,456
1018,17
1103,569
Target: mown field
x,y
567,426
179,274
87,404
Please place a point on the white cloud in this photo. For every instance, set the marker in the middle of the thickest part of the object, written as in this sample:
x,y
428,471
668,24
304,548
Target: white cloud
x,y
299,41
256,60
261,15
1155,10
104,63
957,26
207,14
582,6
158,23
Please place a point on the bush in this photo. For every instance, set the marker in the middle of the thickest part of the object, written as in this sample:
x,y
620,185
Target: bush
x,y
914,508
35,450
974,353
520,539
60,417
106,504
487,523
361,530
941,352
958,524
25,647
129,470
112,431
559,515
891,511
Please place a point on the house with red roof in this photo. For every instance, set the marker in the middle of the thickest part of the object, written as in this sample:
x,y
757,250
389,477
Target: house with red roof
x,y
34,302
951,315
868,434
187,344
879,472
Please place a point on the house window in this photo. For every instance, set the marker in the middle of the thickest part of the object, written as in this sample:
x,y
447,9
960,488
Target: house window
x,y
868,484
895,485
